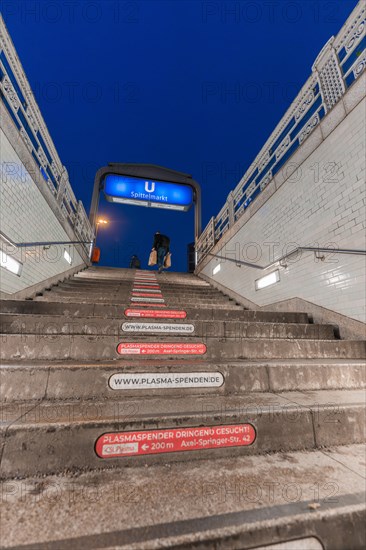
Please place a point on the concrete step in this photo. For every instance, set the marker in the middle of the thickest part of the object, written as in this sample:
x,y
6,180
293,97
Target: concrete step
x,y
81,287
105,311
174,303
36,380
98,348
263,502
128,292
127,288
51,437
163,278
121,273
71,284
152,299
129,283
52,324
125,296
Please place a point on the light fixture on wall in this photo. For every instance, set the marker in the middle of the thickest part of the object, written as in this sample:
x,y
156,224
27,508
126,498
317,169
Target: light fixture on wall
x,y
267,280
9,263
100,222
216,269
67,257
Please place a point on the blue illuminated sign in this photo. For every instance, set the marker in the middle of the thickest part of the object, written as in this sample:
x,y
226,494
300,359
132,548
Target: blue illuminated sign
x,y
144,192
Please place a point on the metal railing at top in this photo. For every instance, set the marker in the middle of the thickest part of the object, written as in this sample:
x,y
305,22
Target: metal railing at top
x,y
11,246
339,64
18,100
47,244
281,261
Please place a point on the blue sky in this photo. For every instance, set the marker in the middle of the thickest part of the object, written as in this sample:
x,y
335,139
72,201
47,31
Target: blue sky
x,y
196,86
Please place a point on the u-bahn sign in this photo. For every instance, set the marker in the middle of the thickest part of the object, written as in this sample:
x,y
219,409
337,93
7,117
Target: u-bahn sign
x,y
147,185
145,192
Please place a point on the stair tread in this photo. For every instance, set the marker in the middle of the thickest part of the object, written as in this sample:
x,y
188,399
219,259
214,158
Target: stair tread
x,y
123,319
89,380
188,363
135,337
104,310
220,408
183,503
107,347
27,323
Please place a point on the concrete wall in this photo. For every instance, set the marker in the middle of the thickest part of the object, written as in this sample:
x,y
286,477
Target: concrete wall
x,y
25,216
318,199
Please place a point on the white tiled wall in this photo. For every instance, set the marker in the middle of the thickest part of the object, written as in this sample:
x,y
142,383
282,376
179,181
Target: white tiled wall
x,y
318,205
25,216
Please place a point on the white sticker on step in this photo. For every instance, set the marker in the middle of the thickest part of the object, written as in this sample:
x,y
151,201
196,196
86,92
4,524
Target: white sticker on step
x,y
155,300
155,380
309,543
171,328
121,448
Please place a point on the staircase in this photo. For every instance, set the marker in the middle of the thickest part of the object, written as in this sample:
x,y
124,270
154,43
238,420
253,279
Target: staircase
x,y
145,411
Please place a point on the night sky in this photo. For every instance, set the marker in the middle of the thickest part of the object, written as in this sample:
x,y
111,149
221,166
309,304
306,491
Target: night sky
x,y
197,86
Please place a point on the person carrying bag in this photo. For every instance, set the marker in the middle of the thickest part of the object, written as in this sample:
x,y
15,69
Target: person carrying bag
x,y
161,246
153,258
168,260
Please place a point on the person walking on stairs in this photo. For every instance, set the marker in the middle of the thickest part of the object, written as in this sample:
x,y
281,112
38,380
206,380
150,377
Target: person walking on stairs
x,y
162,246
135,262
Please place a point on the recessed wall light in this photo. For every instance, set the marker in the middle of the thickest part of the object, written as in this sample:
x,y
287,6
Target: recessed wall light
x,y
9,263
67,257
267,280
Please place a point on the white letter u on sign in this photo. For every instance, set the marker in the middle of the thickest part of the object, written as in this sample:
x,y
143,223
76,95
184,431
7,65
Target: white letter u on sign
x,y
147,187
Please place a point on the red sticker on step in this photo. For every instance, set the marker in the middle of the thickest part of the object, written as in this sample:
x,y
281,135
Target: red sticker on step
x,y
174,440
166,348
166,314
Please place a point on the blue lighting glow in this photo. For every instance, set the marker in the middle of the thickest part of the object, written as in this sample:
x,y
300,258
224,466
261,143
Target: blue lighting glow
x,y
144,192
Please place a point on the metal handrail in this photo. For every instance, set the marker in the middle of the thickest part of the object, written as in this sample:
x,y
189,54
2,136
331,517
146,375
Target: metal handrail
x,y
280,260
49,243
271,158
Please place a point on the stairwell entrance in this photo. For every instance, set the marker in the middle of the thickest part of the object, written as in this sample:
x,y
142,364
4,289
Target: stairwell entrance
x,y
179,190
